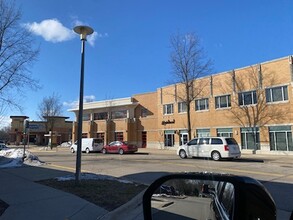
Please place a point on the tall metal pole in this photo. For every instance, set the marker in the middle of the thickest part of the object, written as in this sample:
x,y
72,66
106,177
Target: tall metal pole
x,y
80,114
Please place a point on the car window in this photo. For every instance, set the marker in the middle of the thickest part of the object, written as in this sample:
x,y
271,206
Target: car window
x,y
203,141
231,141
225,193
216,141
193,142
98,141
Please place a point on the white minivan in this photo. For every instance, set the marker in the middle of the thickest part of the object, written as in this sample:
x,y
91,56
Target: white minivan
x,y
88,145
210,147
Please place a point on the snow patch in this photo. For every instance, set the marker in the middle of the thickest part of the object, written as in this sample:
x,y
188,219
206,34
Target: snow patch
x,y
91,176
14,158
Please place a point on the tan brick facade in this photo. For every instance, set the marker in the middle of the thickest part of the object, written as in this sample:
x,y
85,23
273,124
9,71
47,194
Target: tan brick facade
x,y
252,104
38,132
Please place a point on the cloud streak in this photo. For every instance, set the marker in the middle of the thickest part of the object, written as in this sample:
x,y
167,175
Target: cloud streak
x,y
74,104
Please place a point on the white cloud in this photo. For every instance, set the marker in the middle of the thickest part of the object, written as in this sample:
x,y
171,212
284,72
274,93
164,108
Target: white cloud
x,y
74,104
51,30
89,98
5,121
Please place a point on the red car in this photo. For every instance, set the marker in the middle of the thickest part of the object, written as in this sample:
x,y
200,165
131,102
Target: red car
x,y
120,147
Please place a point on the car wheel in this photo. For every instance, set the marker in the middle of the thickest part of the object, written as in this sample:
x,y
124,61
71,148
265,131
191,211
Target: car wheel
x,y
121,151
182,154
104,151
87,150
216,155
72,150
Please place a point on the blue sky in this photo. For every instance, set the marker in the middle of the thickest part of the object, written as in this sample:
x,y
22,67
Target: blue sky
x,y
129,52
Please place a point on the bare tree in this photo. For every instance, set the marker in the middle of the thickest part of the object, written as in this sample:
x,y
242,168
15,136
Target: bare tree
x,y
49,109
4,133
249,105
188,63
16,55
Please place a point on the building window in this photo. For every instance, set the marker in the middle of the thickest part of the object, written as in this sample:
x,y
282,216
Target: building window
x,y
86,117
277,94
250,138
280,138
84,135
223,101
101,136
101,116
247,98
183,137
118,136
202,104
224,132
203,132
168,109
144,112
119,114
169,138
182,107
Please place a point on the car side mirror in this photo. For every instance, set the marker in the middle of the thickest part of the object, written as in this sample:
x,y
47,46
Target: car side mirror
x,y
207,196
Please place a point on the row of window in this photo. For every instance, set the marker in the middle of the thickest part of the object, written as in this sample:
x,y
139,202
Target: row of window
x,y
276,94
280,137
105,115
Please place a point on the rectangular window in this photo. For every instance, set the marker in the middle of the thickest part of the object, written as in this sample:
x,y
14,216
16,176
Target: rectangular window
x,y
202,104
168,109
101,116
223,101
203,132
169,138
281,138
224,132
182,107
247,98
118,136
119,114
277,94
86,117
250,138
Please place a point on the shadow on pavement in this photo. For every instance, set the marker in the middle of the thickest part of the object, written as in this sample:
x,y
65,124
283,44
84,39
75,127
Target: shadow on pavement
x,y
145,177
240,160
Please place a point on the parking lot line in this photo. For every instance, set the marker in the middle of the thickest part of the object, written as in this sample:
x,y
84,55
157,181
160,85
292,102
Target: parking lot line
x,y
68,168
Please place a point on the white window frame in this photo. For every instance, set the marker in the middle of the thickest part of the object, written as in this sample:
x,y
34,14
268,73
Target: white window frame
x,y
253,95
198,104
270,91
218,103
168,109
181,106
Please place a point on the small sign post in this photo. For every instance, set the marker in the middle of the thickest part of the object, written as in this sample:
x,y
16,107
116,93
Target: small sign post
x,y
25,130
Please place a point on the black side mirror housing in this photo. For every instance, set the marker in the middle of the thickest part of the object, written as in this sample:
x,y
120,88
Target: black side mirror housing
x,y
251,200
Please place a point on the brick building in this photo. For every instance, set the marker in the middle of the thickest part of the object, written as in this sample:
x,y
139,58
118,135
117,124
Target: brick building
x,y
251,104
38,131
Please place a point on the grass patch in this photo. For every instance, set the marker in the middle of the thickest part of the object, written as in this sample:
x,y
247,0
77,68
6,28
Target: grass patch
x,y
108,194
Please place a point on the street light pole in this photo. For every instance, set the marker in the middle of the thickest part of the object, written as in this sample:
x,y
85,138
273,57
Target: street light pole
x,y
83,31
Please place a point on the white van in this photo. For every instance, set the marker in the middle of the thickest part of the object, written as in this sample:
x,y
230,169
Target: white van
x,y
88,145
214,147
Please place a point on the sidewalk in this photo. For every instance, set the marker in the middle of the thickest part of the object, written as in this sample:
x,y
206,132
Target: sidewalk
x,y
30,200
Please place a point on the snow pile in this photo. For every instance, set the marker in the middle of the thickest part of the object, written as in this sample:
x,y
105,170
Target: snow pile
x,y
91,176
14,158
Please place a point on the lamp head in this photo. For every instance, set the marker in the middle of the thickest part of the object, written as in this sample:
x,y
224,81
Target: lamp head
x,y
83,31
